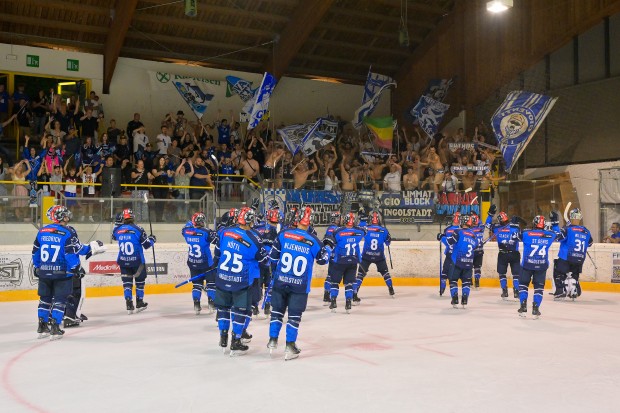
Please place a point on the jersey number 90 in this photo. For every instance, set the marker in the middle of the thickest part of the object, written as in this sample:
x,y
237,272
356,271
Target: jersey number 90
x,y
298,264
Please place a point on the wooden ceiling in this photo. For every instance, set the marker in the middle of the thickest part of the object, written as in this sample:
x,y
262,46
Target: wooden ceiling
x,y
337,39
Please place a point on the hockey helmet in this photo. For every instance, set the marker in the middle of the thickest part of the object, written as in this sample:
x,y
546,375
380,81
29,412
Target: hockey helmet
x,y
575,214
349,219
58,214
474,220
307,217
335,217
466,221
375,218
292,216
502,218
232,216
273,216
246,216
199,220
538,222
128,214
118,220
456,218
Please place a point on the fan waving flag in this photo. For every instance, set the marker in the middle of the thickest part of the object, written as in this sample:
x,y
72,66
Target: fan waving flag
x,y
382,129
516,121
323,134
241,87
294,135
376,84
261,101
429,113
195,98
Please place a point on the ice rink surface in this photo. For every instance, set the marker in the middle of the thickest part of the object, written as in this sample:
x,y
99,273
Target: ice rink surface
x,y
414,353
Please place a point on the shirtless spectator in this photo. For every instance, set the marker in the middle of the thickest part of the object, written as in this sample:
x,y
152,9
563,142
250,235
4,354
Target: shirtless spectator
x,y
272,162
468,180
302,172
435,162
411,180
347,176
250,170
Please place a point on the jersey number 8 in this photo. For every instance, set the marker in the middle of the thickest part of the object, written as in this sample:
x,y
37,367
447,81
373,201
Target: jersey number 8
x,y
298,265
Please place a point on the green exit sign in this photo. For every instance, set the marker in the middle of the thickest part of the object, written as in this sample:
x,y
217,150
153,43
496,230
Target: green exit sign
x,y
32,60
73,65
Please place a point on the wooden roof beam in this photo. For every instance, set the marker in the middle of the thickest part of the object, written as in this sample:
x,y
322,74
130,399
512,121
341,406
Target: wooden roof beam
x,y
304,20
116,37
383,18
415,6
192,23
52,24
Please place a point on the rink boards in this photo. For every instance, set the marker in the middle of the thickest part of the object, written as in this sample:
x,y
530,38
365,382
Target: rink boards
x,y
414,263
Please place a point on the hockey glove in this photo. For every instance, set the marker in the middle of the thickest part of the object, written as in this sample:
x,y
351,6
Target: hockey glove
x,y
152,239
97,247
554,217
78,271
492,209
35,272
439,236
328,242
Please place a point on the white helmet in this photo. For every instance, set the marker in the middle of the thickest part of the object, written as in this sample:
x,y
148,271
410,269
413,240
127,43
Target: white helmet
x,y
575,214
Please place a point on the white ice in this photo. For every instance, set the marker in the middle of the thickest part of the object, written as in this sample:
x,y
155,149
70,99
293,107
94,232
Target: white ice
x,y
414,353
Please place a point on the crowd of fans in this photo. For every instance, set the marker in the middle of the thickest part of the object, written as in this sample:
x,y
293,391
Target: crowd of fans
x,y
70,142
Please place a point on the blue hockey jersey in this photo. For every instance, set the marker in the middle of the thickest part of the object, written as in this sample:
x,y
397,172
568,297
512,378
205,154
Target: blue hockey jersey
x,y
463,241
267,234
131,241
536,243
447,233
505,235
238,257
574,243
377,237
347,248
199,252
295,251
55,251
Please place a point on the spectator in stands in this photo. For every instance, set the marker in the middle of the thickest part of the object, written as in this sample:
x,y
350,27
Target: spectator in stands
x,y
392,180
450,183
331,181
223,130
4,104
123,151
347,177
132,125
4,124
3,175
23,117
62,114
161,174
614,238
163,141
19,173
90,124
148,156
251,170
40,109
140,140
182,178
201,177
18,95
302,171
180,125
94,105
113,132
411,180
89,177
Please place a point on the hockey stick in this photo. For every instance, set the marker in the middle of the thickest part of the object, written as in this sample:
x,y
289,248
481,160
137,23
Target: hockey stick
x,y
593,263
148,212
566,212
189,280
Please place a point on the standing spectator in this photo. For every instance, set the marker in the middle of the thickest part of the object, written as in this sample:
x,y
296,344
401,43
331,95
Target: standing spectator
x,y
18,95
93,104
175,153
140,176
391,181
88,191
23,117
223,131
90,124
140,141
201,177
132,126
56,176
450,183
106,148
3,150
40,109
411,180
70,183
19,173
3,173
73,146
122,152
250,170
163,141
161,173
302,172
180,125
62,115
226,168
182,178
4,104
113,132
148,156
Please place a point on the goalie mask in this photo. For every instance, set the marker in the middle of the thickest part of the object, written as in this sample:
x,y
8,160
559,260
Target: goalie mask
x,y
575,214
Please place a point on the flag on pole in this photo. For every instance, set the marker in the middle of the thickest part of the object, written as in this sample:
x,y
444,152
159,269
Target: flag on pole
x,y
438,88
240,87
324,133
195,97
429,113
516,121
375,85
382,129
261,100
294,135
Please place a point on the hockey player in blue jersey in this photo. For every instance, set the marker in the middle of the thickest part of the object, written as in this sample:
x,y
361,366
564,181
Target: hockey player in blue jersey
x,y
574,242
463,243
228,219
377,237
478,228
199,259
238,257
267,233
504,232
335,224
55,258
294,251
131,241
536,244
447,262
345,242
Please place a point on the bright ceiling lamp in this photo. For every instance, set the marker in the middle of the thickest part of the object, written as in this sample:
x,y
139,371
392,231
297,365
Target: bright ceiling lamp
x,y
498,6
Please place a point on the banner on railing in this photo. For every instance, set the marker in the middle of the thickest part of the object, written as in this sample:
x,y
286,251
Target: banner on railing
x,y
450,202
323,202
407,207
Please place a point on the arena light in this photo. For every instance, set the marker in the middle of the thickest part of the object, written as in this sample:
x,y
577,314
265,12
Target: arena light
x,y
499,6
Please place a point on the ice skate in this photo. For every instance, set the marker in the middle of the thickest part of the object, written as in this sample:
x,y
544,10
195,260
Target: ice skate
x,y
455,301
326,299
441,291
254,310
523,309
347,306
68,323
333,305
535,311
224,340
83,317
211,305
55,332
197,307
504,293
130,306
559,295
237,348
246,337
292,351
140,305
464,301
391,291
356,299
267,309
272,345
515,292
43,329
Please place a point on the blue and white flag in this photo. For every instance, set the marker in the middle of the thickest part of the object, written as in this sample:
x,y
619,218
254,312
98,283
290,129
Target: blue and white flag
x,y
295,135
429,113
241,87
261,101
516,121
195,98
438,88
324,134
374,82
367,108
